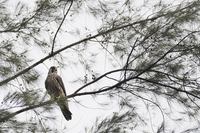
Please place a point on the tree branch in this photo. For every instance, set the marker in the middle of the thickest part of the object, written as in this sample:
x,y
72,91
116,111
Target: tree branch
x,y
95,92
71,45
25,109
69,96
100,77
126,66
54,39
168,86
163,56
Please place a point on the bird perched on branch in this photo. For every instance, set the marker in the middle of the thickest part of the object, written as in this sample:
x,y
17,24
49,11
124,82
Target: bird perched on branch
x,y
56,89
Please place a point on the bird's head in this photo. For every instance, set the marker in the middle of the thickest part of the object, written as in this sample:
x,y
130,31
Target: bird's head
x,y
53,69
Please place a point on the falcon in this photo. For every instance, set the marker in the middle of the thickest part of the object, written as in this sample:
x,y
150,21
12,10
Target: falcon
x,y
56,89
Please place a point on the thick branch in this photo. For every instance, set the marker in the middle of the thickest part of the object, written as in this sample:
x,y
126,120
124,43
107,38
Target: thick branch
x,y
69,96
95,92
71,45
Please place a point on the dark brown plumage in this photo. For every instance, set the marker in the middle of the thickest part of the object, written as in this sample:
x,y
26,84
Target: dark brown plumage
x,y
56,89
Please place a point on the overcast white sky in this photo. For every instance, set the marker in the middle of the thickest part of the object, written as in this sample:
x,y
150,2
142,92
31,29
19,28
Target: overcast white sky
x,y
84,114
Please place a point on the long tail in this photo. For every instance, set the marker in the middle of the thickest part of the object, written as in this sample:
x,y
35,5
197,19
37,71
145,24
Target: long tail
x,y
65,110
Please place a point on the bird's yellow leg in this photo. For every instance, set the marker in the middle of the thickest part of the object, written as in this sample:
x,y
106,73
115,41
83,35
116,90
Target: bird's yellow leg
x,y
58,97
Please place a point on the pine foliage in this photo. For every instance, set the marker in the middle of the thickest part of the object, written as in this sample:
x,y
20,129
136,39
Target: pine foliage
x,y
152,45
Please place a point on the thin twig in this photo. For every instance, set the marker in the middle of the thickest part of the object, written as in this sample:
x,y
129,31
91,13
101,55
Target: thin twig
x,y
25,109
126,66
168,86
164,55
163,116
54,39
